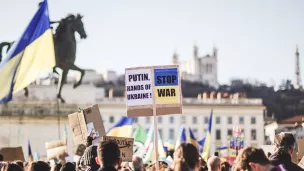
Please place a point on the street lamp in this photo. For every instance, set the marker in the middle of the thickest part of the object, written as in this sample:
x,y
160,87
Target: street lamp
x,y
236,140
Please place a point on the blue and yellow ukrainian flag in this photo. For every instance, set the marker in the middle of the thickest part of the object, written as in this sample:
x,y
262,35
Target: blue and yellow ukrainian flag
x,y
207,142
193,140
30,156
182,137
32,54
123,128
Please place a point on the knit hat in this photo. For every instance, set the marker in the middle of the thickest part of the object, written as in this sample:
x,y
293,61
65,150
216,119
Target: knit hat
x,y
89,156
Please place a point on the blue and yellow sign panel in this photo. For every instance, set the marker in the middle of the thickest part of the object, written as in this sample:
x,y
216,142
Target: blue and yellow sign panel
x,y
166,87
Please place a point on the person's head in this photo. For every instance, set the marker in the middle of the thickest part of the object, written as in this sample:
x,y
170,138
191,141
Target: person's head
x,y
214,163
268,155
189,153
137,163
284,142
1,157
19,163
56,167
225,166
252,159
38,166
109,153
181,165
11,167
68,167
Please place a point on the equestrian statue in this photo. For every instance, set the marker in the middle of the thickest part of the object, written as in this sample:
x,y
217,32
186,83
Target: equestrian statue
x,y
65,49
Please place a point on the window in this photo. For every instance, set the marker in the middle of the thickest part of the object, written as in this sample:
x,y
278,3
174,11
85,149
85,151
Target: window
x,y
218,120
160,119
229,120
253,134
136,120
195,132
241,120
243,132
208,68
111,119
206,120
171,119
160,131
218,134
253,120
183,119
194,120
171,134
229,132
148,120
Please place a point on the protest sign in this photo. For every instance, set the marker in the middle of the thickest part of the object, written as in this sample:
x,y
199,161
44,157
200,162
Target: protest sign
x,y
167,90
139,91
157,86
84,122
301,163
125,146
12,153
300,144
152,91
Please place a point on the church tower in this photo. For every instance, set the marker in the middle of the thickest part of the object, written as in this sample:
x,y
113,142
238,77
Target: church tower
x,y
175,59
215,52
195,52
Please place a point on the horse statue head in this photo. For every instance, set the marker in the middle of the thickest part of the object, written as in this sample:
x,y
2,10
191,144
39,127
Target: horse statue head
x,y
72,23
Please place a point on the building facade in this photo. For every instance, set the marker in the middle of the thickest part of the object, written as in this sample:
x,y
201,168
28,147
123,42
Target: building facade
x,y
203,69
38,121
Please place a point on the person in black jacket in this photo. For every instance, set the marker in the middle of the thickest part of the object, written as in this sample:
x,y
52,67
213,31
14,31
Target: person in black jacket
x,y
109,155
284,147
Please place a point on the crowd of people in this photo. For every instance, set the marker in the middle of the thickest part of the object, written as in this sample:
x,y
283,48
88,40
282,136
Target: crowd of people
x,y
107,157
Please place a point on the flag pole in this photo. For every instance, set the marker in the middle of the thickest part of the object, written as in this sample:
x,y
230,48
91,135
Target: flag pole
x,y
155,123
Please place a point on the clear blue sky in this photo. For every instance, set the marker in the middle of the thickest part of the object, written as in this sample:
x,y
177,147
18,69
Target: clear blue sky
x,y
250,35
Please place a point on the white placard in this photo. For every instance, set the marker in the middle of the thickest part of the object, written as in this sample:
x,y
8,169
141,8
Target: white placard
x,y
139,87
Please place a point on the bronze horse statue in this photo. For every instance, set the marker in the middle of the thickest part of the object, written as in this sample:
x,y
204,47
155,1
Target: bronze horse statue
x,y
65,49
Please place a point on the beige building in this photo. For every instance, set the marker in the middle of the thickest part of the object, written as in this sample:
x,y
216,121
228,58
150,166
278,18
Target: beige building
x,y
38,122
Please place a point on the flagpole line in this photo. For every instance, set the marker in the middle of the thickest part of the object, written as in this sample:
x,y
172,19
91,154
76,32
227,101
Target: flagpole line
x,y
155,122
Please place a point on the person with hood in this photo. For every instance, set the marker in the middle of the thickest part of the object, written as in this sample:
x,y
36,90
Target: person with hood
x,y
284,147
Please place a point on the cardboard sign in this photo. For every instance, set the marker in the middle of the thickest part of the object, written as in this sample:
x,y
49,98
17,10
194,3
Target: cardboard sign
x,y
162,82
301,163
56,149
300,144
85,121
125,145
12,153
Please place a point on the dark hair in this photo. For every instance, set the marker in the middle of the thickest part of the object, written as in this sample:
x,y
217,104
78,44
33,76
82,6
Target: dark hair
x,y
19,163
284,142
181,165
68,167
1,157
189,153
11,167
250,154
225,166
109,153
89,141
39,166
